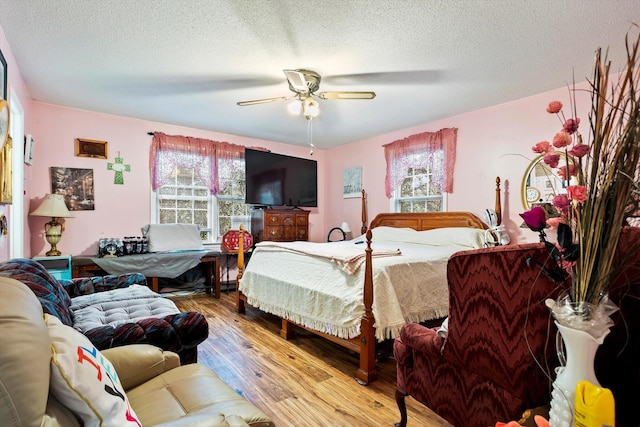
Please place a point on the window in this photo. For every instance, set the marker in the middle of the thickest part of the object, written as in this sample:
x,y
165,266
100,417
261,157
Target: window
x,y
185,199
417,193
198,181
420,171
231,209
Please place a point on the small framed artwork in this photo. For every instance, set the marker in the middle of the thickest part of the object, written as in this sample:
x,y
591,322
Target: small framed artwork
x,y
76,185
28,149
91,148
352,186
3,77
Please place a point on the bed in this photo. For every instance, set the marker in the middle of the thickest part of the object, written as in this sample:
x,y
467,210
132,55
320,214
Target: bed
x,y
363,290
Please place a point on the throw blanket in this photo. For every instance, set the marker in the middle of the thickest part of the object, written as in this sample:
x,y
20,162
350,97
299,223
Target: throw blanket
x,y
164,264
347,258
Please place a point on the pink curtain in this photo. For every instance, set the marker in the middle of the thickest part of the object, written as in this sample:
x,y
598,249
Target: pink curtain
x,y
170,151
435,150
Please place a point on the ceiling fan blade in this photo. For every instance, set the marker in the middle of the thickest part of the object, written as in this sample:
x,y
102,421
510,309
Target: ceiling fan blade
x,y
180,85
262,101
346,95
387,77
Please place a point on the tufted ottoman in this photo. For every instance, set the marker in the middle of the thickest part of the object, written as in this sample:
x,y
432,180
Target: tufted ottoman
x,y
119,306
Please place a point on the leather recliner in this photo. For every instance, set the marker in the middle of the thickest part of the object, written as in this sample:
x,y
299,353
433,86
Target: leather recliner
x,y
159,390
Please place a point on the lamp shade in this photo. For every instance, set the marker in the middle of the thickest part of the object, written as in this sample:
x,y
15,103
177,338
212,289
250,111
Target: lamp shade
x,y
345,227
53,206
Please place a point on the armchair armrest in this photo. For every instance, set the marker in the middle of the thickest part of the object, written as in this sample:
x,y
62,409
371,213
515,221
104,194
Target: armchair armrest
x,y
90,285
136,364
422,339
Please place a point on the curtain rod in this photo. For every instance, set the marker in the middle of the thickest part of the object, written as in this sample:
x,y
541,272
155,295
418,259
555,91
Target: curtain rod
x,y
151,133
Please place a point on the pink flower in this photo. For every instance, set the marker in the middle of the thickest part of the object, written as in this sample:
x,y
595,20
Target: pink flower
x,y
552,159
562,172
554,107
561,139
571,125
542,147
561,202
535,218
578,193
580,150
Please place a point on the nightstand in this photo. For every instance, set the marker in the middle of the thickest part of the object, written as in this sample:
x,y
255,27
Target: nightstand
x,y
58,266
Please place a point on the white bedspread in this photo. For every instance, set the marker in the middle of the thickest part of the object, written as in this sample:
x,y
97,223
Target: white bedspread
x,y
347,257
315,292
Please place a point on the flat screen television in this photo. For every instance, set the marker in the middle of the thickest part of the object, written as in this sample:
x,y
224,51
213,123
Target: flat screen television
x,y
279,180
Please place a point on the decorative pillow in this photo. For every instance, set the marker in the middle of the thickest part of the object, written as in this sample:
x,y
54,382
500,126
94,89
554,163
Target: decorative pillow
x,y
173,237
450,236
85,381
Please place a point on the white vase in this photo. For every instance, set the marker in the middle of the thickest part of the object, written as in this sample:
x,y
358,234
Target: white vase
x,y
580,351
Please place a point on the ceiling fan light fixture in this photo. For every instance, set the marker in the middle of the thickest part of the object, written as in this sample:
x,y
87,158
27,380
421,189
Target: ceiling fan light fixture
x,y
295,107
310,108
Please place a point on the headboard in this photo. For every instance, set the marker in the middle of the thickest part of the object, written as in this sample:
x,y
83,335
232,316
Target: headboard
x,y
428,220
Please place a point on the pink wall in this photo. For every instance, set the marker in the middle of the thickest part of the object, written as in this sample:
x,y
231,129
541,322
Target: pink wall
x,y
17,89
121,210
492,142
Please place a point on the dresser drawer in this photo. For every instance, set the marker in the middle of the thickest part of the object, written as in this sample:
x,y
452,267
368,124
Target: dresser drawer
x,y
272,232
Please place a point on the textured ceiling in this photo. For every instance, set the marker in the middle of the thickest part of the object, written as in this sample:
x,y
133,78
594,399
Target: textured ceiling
x,y
188,62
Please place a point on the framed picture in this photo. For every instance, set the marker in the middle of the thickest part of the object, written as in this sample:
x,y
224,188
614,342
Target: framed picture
x,y
91,148
76,185
3,77
6,176
28,149
352,186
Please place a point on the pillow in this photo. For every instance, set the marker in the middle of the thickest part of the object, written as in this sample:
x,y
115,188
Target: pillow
x,y
458,236
173,237
85,381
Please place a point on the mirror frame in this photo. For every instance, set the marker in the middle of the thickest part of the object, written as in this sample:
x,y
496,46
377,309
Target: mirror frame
x,y
526,178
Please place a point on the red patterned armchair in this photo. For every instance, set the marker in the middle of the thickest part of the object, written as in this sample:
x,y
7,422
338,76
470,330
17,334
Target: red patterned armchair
x,y
499,329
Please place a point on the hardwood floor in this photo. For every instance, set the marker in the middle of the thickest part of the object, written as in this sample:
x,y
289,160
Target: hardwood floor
x,y
306,381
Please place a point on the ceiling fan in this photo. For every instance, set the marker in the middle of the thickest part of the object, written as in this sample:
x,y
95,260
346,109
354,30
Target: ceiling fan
x,y
305,85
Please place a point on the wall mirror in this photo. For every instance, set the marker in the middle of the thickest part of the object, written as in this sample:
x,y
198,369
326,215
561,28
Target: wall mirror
x,y
540,183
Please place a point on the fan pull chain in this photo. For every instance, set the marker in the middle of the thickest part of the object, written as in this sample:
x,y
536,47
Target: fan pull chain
x,y
310,135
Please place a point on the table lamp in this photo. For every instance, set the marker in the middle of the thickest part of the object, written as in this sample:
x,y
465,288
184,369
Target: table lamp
x,y
54,206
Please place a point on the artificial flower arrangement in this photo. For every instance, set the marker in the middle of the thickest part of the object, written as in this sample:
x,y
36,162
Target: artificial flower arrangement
x,y
600,174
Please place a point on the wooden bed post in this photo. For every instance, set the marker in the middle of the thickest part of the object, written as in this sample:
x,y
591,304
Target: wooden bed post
x,y
363,229
498,208
240,300
367,371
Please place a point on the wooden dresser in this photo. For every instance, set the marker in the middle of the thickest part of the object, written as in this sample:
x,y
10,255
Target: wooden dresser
x,y
279,225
